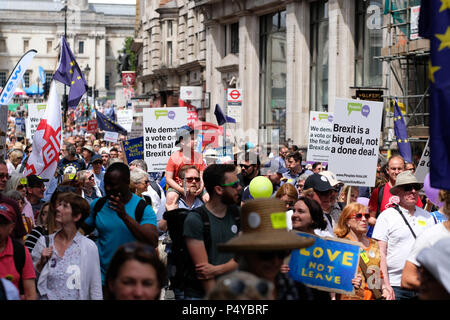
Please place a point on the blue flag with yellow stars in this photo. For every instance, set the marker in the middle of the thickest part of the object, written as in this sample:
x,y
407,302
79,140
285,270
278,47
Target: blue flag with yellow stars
x,y
106,124
434,24
401,134
69,73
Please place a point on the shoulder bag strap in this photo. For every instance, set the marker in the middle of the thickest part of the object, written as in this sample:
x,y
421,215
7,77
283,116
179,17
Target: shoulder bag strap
x,y
404,219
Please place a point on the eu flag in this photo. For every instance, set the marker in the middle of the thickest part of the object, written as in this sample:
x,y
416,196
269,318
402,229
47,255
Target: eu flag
x,y
401,134
434,24
106,124
221,117
69,73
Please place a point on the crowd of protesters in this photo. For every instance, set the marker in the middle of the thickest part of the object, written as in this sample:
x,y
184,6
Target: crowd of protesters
x,y
103,228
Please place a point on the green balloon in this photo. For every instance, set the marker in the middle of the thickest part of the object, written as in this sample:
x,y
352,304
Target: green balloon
x,y
261,187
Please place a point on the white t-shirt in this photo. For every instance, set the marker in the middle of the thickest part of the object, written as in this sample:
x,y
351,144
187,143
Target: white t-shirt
x,y
392,229
426,240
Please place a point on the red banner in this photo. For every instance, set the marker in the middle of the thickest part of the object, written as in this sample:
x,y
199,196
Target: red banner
x,y
128,78
92,126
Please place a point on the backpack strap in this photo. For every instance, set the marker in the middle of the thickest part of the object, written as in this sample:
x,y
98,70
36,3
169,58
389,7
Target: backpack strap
x,y
98,206
19,260
2,291
140,208
155,187
206,227
380,199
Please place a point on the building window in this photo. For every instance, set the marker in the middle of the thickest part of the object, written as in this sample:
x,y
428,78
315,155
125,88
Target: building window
x,y
319,56
48,77
81,47
368,43
26,45
26,79
231,38
107,80
108,48
169,53
49,46
234,35
2,79
169,28
2,45
273,75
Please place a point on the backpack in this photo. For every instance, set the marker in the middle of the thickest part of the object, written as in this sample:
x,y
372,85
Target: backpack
x,y
380,199
19,260
138,213
184,272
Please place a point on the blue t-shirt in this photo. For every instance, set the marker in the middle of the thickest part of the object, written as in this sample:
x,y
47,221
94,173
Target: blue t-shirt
x,y
438,217
113,232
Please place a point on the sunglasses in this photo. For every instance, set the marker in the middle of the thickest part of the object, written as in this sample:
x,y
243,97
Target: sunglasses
x,y
244,166
269,255
233,184
414,186
190,179
238,287
4,175
133,247
359,216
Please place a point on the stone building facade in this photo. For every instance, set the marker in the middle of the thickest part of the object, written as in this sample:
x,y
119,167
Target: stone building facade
x,y
95,32
289,57
171,47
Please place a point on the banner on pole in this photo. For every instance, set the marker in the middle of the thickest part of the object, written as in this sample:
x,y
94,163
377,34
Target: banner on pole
x,y
329,264
355,142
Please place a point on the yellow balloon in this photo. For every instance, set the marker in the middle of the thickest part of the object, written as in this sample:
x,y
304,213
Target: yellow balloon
x,y
261,187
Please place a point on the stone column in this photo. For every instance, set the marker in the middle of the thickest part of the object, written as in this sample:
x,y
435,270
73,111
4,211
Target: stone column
x,y
101,62
249,70
341,50
214,83
298,75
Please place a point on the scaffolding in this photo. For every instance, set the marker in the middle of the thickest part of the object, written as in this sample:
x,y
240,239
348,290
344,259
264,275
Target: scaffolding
x,y
405,64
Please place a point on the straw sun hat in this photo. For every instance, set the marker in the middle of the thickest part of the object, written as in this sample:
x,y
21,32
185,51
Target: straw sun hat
x,y
404,178
264,229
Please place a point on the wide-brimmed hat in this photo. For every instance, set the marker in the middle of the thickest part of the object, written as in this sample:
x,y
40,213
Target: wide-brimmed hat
x,y
264,228
404,178
89,148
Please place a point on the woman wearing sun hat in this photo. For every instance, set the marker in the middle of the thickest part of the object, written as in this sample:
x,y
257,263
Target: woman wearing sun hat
x,y
265,243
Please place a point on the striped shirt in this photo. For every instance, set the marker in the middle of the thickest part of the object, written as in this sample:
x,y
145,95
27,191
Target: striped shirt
x,y
33,237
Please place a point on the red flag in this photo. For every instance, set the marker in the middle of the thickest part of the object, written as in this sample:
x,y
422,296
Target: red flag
x,y
47,139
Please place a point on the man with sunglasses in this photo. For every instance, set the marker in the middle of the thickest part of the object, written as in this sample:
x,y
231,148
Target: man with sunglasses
x,y
189,180
222,215
397,228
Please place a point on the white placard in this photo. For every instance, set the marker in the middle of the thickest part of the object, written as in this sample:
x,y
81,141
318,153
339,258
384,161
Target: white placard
x,y
111,136
320,133
414,25
191,93
355,142
160,126
125,118
424,164
35,113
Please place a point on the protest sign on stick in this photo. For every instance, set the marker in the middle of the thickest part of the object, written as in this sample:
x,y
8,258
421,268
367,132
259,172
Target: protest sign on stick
x,y
423,167
133,149
160,127
320,133
329,264
355,142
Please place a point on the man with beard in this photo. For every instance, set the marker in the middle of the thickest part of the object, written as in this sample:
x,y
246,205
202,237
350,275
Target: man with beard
x,y
224,190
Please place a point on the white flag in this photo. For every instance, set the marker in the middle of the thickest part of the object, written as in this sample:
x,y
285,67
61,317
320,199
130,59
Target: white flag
x,y
47,139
